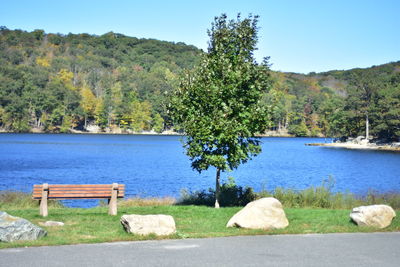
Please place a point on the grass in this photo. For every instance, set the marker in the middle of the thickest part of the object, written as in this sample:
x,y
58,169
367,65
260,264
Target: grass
x,y
321,196
313,210
140,202
16,199
94,225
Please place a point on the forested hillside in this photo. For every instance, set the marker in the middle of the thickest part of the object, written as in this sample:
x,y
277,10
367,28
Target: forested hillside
x,y
340,103
114,83
55,82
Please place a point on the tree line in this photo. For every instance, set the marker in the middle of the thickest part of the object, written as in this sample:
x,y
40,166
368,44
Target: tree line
x,y
58,83
357,102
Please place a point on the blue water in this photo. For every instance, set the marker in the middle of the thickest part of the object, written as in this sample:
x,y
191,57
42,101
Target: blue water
x,y
157,165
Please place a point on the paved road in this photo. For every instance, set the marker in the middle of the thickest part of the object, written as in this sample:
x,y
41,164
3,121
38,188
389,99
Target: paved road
x,y
377,249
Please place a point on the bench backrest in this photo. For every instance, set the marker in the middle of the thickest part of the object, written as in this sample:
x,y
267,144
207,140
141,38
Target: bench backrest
x,y
81,191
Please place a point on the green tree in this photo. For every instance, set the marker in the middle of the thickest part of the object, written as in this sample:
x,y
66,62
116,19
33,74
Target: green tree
x,y
365,87
88,103
158,123
219,105
387,111
140,116
333,117
299,130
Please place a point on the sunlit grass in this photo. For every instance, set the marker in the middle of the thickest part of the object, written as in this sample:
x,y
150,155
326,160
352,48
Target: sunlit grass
x,y
140,202
94,225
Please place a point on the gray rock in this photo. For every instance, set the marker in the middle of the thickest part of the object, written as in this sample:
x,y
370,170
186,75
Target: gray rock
x,y
265,213
148,224
15,228
379,216
358,140
396,144
51,223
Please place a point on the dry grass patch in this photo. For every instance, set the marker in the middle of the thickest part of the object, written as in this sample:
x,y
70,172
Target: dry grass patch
x,y
145,202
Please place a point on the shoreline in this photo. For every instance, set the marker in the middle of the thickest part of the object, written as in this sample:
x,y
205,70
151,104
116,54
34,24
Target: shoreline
x,y
165,133
357,146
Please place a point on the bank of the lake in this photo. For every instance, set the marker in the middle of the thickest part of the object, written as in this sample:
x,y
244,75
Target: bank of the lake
x,y
120,131
358,146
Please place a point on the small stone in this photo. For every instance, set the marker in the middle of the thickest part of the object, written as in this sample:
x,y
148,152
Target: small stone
x,y
379,216
15,228
51,223
149,224
265,213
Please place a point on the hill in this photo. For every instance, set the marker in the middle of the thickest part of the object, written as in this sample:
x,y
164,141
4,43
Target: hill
x,y
54,82
115,83
340,103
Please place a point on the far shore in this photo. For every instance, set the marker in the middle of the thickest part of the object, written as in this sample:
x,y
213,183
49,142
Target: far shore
x,y
357,146
129,132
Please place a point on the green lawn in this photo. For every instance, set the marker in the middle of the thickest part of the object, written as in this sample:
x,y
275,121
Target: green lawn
x,y
94,225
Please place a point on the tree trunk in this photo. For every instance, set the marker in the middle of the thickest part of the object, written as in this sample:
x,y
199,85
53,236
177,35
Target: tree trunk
x,y
217,188
85,122
286,122
366,127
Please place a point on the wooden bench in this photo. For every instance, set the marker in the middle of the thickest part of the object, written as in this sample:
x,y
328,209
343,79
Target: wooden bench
x,y
78,191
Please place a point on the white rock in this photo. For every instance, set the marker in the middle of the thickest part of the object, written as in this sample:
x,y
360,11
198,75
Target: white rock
x,y
265,213
93,128
364,142
51,223
148,224
379,216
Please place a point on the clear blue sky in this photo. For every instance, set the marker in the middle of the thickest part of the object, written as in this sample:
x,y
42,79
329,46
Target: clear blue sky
x,y
298,35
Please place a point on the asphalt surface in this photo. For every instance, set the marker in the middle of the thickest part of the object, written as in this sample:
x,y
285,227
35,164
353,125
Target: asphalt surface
x,y
376,249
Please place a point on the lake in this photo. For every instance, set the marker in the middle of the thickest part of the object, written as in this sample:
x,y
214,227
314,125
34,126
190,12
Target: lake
x,y
157,165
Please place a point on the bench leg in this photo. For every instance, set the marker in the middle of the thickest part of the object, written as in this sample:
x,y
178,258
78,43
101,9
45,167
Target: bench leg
x,y
112,205
43,201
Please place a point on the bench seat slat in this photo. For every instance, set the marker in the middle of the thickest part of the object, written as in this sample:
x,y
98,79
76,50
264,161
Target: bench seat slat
x,y
77,190
63,198
78,185
78,194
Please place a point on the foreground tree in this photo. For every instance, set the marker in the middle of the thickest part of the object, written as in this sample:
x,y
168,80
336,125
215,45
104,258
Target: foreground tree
x,y
219,105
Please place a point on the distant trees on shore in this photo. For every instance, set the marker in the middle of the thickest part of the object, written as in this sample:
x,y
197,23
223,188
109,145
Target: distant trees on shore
x,y
55,83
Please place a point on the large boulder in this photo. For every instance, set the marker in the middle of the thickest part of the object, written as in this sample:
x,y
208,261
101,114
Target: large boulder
x,y
379,216
15,228
265,213
148,224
